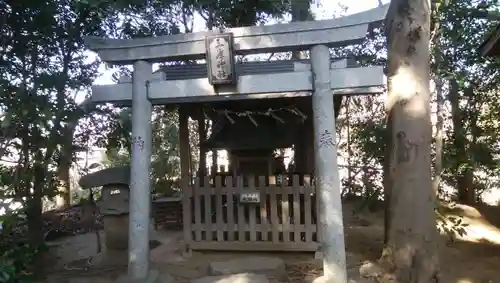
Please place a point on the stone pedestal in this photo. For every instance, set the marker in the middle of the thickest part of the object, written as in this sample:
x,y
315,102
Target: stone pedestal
x,y
154,276
114,208
116,231
268,266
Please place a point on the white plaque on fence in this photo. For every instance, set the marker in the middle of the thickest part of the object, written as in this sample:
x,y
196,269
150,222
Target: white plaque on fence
x,y
250,197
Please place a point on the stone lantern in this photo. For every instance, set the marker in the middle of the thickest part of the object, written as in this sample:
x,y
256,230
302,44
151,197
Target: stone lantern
x,y
114,209
113,205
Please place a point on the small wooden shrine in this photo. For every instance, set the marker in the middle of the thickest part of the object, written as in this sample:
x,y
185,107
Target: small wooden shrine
x,y
257,203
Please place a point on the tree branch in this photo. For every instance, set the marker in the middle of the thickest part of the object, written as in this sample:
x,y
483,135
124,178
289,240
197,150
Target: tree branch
x,y
483,14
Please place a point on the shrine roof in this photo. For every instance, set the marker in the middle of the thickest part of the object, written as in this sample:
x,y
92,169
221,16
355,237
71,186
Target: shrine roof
x,y
491,46
197,71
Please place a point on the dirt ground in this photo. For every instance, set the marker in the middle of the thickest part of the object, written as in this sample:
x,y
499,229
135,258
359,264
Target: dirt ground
x,y
475,258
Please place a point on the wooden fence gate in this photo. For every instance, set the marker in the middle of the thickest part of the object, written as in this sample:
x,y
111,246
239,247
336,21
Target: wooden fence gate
x,y
282,217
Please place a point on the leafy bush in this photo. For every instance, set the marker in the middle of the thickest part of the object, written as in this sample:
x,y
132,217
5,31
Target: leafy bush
x,y
451,225
16,255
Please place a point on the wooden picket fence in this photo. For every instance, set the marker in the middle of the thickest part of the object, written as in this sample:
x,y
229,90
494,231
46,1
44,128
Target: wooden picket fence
x,y
167,212
283,220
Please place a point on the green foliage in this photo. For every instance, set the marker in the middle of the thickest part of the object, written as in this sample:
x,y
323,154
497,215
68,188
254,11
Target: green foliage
x,y
17,256
237,13
471,142
165,162
471,128
451,225
43,69
370,139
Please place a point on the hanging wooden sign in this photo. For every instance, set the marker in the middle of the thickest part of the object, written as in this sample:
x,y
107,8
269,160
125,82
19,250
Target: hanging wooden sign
x,y
220,59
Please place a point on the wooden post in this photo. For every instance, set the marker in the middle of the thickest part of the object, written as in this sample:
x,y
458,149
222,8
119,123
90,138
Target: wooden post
x,y
202,134
186,189
215,165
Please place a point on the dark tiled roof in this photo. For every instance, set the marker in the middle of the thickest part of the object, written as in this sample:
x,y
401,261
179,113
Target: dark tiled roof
x,y
491,46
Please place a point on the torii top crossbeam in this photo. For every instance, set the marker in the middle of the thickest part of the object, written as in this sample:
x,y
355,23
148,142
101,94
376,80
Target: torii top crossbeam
x,y
247,40
165,88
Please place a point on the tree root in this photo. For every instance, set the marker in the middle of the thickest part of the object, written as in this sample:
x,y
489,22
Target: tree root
x,y
383,272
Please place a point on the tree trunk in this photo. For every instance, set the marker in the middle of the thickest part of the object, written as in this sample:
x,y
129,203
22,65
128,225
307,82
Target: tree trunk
x,y
301,11
63,199
411,253
463,167
475,133
387,179
94,220
215,163
35,220
349,152
466,191
202,135
438,165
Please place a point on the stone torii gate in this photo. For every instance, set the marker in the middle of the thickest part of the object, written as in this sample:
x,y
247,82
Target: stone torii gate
x,y
224,81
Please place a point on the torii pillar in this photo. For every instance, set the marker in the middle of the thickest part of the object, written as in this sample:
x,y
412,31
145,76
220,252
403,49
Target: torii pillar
x,y
140,182
330,226
140,168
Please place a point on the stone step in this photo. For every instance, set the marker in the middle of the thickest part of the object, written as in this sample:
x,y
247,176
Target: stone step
x,y
234,278
270,266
